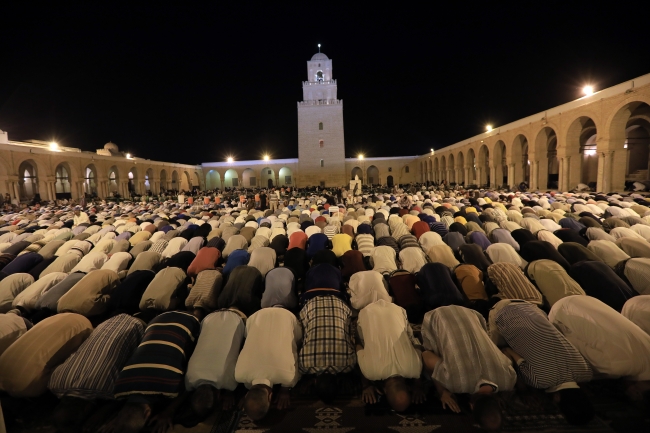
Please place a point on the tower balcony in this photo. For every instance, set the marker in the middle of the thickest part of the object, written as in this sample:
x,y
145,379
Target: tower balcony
x,y
318,83
322,102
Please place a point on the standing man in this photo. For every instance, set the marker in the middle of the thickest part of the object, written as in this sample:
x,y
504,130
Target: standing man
x,y
80,217
386,354
274,200
263,206
269,357
461,359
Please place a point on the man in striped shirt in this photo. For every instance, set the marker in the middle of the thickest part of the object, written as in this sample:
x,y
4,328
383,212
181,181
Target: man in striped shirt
x,y
543,357
461,359
90,373
155,371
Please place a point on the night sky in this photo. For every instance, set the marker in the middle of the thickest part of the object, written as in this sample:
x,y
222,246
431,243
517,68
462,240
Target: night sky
x,y
194,83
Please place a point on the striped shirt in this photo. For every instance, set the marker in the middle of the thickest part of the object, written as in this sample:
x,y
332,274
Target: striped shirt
x,y
158,364
330,231
512,283
469,358
91,371
365,244
328,345
549,360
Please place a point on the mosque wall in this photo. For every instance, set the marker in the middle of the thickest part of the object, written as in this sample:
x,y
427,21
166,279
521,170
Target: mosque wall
x,y
27,169
588,140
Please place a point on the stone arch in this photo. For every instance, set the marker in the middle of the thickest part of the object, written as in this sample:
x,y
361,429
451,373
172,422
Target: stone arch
x,y
627,155
436,170
372,177
28,179
451,168
520,159
545,160
231,178
471,164
186,181
389,181
213,180
63,181
148,179
483,166
175,183
268,177
460,166
443,169
90,179
286,176
356,171
113,180
249,179
579,159
163,180
133,181
197,180
422,165
429,170
499,164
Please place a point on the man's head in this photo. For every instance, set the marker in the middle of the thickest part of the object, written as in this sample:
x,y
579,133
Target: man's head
x,y
575,406
487,412
132,418
257,402
202,401
326,387
397,393
69,413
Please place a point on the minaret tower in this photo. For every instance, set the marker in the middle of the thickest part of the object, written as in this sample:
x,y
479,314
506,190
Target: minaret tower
x,y
321,146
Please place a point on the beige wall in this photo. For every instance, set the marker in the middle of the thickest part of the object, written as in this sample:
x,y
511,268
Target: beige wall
x,y
607,114
45,163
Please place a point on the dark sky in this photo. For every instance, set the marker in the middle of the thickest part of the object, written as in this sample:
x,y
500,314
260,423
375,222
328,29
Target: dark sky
x,y
194,83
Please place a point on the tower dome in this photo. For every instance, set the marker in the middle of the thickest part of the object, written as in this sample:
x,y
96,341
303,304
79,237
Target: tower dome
x,y
319,56
111,147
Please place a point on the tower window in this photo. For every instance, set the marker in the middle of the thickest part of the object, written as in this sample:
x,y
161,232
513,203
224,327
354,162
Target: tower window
x,y
322,163
406,169
320,126
319,76
321,143
268,171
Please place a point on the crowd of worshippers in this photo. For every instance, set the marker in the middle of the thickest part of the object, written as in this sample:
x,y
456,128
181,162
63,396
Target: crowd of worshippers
x,y
145,307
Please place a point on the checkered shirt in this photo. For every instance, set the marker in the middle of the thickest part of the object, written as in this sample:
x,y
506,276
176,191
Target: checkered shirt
x,y
328,345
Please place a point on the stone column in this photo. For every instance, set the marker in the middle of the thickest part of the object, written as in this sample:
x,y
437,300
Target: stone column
x,y
493,177
16,190
606,159
561,174
511,175
534,167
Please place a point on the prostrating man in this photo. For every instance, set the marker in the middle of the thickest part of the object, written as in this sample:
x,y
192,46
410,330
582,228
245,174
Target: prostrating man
x,y
26,366
612,344
386,352
269,357
461,359
328,347
154,373
543,357
211,370
90,373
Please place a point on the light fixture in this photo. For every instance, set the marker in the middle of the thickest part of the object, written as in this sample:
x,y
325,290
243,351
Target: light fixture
x,y
230,159
128,156
588,90
54,146
266,157
361,156
488,128
590,152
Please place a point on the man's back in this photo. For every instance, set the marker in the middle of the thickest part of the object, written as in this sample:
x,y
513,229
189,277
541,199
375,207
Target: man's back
x,y
270,353
609,342
388,347
469,358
